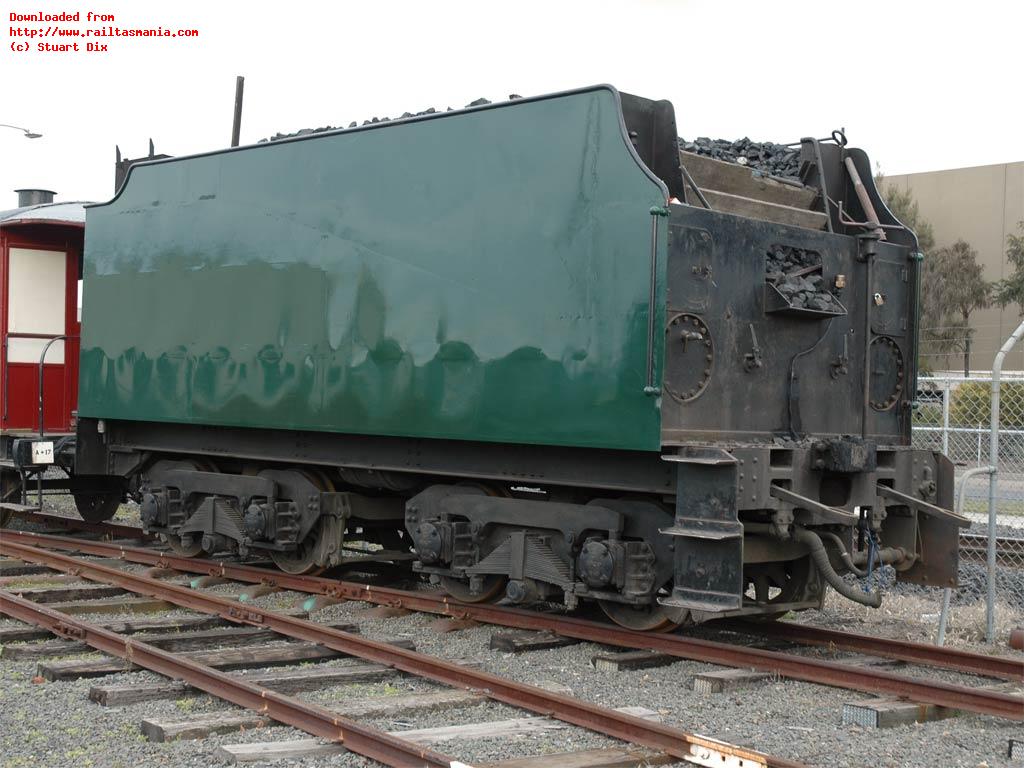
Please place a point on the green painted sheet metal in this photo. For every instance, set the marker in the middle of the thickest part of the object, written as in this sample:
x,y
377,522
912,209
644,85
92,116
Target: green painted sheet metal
x,y
480,275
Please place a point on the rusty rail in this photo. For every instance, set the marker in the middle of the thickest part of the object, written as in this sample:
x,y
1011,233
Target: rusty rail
x,y
677,645
310,718
914,653
77,524
596,718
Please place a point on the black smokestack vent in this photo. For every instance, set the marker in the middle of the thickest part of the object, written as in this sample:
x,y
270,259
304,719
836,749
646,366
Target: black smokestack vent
x,y
34,196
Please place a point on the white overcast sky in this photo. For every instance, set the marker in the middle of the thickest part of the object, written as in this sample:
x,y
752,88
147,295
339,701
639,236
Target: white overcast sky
x,y
919,85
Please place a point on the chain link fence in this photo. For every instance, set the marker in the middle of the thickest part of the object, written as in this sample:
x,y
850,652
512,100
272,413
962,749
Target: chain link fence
x,y
953,416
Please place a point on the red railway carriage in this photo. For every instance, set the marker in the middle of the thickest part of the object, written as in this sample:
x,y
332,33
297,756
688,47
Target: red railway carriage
x,y
40,269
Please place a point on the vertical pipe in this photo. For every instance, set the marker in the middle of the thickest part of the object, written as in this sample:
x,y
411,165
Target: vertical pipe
x,y
42,428
943,616
945,418
3,385
652,300
916,259
866,394
236,126
42,359
947,592
993,457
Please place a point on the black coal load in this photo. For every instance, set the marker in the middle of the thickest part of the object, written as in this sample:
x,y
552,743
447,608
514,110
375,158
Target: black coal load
x,y
763,157
796,274
374,120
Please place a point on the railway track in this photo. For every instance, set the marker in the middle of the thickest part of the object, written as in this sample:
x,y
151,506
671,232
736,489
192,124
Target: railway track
x,y
29,547
109,529
316,720
387,748
973,546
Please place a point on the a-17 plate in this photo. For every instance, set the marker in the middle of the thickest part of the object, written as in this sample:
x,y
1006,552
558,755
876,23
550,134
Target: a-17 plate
x,y
42,452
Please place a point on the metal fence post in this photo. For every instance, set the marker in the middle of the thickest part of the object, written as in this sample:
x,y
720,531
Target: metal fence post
x,y
945,418
961,439
993,452
947,592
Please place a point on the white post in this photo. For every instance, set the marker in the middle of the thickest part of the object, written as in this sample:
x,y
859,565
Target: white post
x,y
993,454
945,418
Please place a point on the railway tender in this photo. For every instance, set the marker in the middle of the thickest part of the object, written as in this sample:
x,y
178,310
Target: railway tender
x,y
530,345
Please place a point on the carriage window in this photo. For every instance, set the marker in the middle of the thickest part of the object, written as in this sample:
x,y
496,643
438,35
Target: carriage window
x,y
37,303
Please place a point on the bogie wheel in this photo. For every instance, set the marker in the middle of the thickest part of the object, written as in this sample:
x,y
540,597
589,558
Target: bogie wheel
x,y
644,618
195,548
304,559
493,589
652,617
97,507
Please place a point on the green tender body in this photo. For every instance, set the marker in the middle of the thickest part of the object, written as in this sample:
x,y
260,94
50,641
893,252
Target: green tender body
x,y
479,275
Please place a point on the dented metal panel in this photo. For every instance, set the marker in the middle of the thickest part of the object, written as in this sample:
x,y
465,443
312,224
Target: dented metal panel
x,y
480,275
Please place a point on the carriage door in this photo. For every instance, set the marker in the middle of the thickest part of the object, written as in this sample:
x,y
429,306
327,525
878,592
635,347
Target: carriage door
x,y
36,305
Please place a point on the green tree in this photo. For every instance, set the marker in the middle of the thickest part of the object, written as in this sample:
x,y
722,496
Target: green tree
x,y
1011,289
960,291
936,337
903,206
972,403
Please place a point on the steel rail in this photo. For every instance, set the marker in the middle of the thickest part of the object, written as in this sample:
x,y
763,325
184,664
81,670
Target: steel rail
x,y
618,725
75,523
903,650
676,645
311,718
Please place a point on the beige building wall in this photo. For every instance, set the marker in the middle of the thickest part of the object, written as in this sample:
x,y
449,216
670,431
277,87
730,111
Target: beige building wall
x,y
981,205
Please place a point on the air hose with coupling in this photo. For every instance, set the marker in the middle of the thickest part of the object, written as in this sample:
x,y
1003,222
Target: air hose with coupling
x,y
844,555
820,558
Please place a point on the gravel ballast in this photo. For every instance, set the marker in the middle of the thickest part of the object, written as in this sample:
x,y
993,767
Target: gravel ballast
x,y
54,724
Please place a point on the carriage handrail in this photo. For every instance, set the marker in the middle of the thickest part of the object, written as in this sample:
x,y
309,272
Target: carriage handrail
x,y
42,359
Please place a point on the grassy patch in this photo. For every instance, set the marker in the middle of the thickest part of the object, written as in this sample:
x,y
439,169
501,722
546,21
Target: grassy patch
x,y
1003,506
185,705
